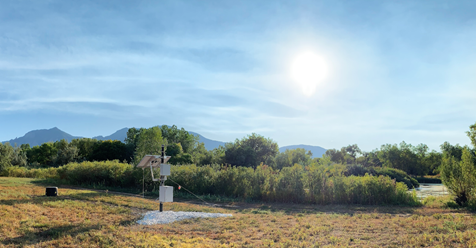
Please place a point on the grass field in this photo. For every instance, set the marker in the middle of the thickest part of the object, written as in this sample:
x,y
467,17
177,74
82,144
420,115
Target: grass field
x,y
85,218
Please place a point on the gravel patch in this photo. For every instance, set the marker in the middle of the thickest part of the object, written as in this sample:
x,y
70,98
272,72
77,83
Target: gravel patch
x,y
157,217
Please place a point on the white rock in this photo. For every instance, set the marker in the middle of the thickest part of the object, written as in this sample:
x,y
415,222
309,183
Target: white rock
x,y
157,217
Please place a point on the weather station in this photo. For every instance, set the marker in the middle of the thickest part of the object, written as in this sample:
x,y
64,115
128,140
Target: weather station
x,y
166,193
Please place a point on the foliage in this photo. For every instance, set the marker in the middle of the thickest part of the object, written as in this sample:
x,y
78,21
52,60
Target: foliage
x,y
398,175
149,142
173,135
316,183
428,180
109,150
290,157
43,154
449,150
472,134
85,148
459,176
458,170
414,160
180,143
251,151
6,152
201,156
66,153
404,157
177,155
43,173
346,155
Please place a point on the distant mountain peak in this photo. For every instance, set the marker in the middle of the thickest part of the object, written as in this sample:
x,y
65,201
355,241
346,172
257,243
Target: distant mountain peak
x,y
38,137
317,151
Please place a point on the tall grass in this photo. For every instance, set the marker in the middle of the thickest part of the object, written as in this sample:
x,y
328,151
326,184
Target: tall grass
x,y
297,184
43,173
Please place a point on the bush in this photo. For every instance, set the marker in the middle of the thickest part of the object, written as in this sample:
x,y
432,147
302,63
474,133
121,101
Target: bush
x,y
43,173
459,176
315,183
398,175
428,180
105,173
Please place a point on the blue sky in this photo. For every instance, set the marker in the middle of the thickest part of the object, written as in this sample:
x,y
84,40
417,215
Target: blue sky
x,y
398,70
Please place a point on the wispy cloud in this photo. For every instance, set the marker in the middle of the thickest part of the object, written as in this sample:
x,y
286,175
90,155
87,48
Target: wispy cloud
x,y
398,70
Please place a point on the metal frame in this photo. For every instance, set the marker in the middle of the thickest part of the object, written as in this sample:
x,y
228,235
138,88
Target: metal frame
x,y
152,161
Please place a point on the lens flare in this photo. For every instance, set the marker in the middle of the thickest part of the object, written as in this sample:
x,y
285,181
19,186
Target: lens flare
x,y
308,69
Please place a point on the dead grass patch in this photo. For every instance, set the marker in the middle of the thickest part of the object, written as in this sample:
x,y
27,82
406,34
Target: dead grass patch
x,y
82,218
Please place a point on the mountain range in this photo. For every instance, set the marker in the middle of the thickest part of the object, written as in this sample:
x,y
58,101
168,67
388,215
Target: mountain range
x,y
38,137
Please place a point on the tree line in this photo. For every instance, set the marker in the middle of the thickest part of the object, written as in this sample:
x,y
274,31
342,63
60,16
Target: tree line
x,y
249,151
456,164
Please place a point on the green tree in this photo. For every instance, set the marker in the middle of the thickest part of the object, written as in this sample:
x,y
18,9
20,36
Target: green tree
x,y
6,152
43,154
351,151
460,175
132,136
19,157
66,152
109,150
404,157
251,151
335,156
432,162
201,156
177,154
472,134
85,148
455,151
149,142
289,158
369,159
173,135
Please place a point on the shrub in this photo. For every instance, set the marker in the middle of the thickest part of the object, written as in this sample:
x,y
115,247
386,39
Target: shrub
x,y
43,173
105,173
316,183
398,175
460,176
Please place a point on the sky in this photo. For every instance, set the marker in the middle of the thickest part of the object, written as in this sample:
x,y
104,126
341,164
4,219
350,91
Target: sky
x,y
396,70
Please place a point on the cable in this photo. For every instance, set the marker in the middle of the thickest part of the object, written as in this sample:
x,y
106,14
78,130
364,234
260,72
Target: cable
x,y
188,192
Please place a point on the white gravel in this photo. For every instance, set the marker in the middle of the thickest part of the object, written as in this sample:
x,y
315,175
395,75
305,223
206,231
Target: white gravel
x,y
156,217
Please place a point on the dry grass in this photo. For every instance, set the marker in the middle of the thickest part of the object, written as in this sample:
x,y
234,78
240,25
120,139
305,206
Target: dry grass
x,y
81,218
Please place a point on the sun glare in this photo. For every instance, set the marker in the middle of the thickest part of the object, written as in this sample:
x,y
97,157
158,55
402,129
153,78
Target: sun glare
x,y
308,69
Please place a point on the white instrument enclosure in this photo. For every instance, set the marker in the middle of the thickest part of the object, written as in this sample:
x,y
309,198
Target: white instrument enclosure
x,y
166,194
165,169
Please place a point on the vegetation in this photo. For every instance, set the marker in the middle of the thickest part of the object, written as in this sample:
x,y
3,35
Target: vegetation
x,y
398,175
251,151
459,174
251,167
316,183
86,218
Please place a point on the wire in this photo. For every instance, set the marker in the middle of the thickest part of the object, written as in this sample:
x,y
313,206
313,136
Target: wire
x,y
188,192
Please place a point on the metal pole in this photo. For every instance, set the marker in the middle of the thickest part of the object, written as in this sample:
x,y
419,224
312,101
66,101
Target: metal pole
x,y
162,159
143,183
163,154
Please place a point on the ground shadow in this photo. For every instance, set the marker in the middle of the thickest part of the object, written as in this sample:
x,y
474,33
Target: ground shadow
x,y
35,237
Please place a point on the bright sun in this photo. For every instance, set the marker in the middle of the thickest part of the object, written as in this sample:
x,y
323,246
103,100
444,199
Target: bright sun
x,y
308,69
